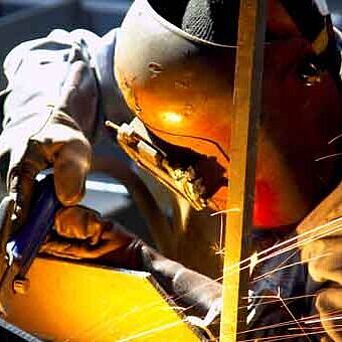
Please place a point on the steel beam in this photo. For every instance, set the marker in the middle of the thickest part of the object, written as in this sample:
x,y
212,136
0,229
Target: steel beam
x,y
247,99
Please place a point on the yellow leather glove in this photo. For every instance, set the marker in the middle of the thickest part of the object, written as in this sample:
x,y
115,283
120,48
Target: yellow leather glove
x,y
320,236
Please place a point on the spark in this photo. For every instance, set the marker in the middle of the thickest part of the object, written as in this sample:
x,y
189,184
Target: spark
x,y
318,231
102,324
313,234
285,246
334,139
277,269
291,314
304,320
287,323
105,326
93,328
151,331
217,250
287,337
173,324
290,299
293,242
267,327
330,318
276,337
279,298
329,156
319,327
225,211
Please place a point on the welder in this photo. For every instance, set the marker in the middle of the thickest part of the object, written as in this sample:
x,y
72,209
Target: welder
x,y
168,73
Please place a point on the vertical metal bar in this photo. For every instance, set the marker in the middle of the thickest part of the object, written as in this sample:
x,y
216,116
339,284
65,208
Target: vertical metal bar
x,y
247,100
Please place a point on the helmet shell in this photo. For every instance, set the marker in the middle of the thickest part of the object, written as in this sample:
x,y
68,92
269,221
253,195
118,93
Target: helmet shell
x,y
181,88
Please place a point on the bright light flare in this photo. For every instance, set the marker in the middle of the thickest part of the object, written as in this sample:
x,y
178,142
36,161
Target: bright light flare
x,y
172,117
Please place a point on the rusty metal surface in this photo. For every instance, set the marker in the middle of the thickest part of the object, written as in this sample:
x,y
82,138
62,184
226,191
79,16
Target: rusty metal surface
x,y
73,302
247,95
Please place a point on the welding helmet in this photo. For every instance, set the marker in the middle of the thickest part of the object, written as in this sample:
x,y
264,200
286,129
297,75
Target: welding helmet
x,y
180,88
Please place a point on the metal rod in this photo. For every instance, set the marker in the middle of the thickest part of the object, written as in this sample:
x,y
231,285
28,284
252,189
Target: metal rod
x,y
245,118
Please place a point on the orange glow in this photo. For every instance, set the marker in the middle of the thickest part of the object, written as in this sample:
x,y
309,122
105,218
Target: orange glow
x,y
172,117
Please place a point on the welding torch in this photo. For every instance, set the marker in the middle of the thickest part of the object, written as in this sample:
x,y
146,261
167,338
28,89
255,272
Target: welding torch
x,y
18,250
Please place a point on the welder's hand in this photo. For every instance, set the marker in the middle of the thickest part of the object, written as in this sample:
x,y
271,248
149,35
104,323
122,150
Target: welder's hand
x,y
59,144
329,306
83,234
50,113
320,238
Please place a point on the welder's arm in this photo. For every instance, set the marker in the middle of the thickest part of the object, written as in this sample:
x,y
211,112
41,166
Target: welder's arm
x,y
321,237
82,234
49,116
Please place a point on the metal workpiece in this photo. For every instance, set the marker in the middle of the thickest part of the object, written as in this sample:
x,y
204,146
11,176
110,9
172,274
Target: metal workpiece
x,y
82,303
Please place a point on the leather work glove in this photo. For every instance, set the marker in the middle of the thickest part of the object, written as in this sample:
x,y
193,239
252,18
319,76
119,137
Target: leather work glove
x,y
320,236
49,114
59,144
84,235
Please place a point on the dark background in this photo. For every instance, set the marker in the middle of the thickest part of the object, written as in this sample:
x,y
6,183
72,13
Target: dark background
x,y
335,5
21,20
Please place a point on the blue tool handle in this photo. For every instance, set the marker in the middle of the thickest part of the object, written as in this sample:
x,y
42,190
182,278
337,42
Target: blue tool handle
x,y
25,244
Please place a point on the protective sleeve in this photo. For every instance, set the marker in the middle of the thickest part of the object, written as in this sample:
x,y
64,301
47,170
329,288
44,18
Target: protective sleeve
x,y
55,72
